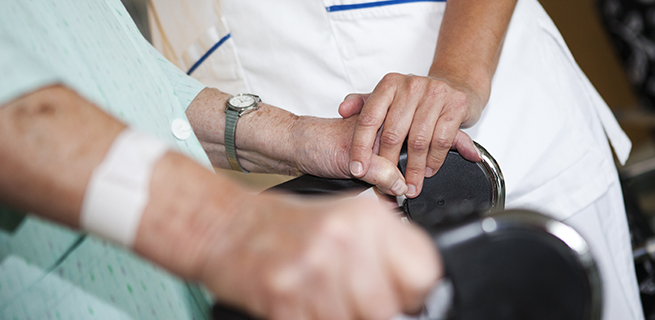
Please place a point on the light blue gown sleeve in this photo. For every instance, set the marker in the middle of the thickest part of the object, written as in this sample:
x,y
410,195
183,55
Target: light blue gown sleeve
x,y
20,71
48,271
185,87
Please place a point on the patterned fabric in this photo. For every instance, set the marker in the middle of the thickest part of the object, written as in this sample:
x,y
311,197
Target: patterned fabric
x,y
93,47
81,45
50,272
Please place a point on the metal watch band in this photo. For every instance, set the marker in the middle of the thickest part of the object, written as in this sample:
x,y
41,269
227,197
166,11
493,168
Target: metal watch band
x,y
231,118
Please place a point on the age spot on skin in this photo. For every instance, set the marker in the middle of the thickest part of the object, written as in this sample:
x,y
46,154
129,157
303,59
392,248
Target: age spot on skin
x,y
45,109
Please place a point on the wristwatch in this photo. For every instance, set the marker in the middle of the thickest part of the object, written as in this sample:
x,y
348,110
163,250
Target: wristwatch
x,y
236,107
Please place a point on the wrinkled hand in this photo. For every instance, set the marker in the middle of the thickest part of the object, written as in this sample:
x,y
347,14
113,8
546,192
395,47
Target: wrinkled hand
x,y
428,112
275,141
322,148
348,259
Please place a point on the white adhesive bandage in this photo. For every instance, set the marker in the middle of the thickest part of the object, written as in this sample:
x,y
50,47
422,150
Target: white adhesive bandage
x,y
118,190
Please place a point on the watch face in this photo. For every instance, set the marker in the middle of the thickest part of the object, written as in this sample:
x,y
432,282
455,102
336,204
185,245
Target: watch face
x,y
242,101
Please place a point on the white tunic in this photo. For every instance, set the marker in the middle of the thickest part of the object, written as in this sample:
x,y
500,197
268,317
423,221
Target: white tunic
x,y
545,124
539,123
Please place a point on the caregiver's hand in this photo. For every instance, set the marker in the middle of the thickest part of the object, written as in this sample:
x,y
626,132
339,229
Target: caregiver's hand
x,y
428,112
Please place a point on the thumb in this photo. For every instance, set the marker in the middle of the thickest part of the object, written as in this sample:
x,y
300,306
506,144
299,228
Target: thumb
x,y
385,176
352,104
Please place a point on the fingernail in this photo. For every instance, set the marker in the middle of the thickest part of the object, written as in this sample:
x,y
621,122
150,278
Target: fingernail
x,y
399,188
428,172
411,190
356,168
479,152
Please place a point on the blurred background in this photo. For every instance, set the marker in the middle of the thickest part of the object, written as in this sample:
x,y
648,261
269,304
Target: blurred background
x,y
613,41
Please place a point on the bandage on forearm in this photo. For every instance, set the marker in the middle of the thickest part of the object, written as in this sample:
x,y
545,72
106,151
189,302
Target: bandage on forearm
x,y
118,190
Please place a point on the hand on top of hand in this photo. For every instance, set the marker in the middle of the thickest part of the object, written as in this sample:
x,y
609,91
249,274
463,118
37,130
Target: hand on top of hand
x,y
428,112
322,149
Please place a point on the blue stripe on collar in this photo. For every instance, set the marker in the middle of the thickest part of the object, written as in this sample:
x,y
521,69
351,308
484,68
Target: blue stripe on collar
x,y
344,7
208,53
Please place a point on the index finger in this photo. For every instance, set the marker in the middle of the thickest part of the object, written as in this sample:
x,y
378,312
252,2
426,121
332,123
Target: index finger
x,y
369,121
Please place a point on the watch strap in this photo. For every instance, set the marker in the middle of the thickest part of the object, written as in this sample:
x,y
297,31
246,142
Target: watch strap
x,y
231,118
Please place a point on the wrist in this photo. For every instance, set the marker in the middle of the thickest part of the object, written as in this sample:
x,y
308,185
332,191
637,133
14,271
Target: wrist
x,y
267,141
321,146
189,211
263,138
471,78
118,189
475,84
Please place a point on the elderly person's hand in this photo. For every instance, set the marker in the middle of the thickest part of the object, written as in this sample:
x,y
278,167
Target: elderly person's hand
x,y
274,255
282,258
324,146
272,140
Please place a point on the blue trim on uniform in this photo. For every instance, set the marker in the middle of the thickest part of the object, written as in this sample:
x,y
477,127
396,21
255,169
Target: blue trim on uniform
x,y
344,7
208,53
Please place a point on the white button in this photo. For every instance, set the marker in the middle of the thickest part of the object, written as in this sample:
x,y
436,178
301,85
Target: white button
x,y
181,129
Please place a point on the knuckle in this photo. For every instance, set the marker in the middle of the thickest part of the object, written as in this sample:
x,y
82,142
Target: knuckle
x,y
337,233
415,84
391,77
442,143
413,171
284,282
435,89
435,160
460,98
391,138
459,103
367,120
388,81
419,143
388,175
384,180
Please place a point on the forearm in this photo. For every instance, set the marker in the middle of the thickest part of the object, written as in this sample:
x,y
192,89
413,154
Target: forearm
x,y
52,141
188,211
470,42
263,137
272,140
264,253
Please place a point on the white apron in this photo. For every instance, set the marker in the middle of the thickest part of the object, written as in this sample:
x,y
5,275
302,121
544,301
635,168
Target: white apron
x,y
545,123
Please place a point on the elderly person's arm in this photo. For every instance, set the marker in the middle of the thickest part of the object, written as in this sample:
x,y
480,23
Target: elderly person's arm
x,y
273,255
272,140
